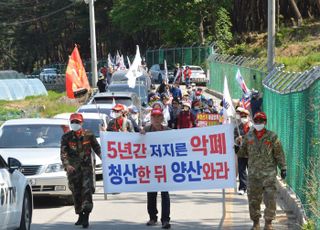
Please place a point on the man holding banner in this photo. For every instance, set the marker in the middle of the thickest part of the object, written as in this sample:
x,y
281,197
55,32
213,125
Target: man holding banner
x,y
157,119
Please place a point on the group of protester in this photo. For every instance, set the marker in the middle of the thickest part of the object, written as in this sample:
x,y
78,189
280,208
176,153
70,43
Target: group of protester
x,y
259,150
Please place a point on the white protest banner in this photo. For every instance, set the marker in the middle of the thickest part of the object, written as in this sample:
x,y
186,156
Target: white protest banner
x,y
184,159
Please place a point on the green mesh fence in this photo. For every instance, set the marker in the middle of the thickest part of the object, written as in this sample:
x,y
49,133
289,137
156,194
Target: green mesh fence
x,y
252,77
183,55
292,104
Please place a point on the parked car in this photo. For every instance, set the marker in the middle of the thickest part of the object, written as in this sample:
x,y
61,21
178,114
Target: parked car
x,y
93,122
157,73
139,90
48,75
35,142
96,108
126,98
16,203
198,75
119,77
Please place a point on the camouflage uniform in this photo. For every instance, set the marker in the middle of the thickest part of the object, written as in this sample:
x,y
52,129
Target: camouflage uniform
x,y
114,126
76,151
264,156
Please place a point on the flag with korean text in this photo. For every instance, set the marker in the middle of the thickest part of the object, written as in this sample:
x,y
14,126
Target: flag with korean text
x,y
134,70
76,77
228,109
242,83
172,160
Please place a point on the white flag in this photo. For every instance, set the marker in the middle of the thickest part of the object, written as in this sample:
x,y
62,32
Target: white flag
x,y
134,71
228,109
129,62
110,63
165,72
122,66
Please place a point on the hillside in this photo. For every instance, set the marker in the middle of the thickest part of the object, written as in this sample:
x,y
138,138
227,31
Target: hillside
x,y
298,48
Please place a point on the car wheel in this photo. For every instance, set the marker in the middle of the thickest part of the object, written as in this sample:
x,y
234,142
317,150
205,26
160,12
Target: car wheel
x,y
26,215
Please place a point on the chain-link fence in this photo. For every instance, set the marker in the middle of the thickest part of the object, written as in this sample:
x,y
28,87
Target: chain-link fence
x,y
183,55
252,70
292,104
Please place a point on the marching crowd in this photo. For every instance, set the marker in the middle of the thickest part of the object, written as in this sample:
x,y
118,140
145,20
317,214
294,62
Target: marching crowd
x,y
259,150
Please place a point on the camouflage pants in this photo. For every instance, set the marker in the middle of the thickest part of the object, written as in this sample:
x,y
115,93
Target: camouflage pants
x,y
262,188
81,186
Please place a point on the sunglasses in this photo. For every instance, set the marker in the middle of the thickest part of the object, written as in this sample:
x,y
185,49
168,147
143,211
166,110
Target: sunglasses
x,y
75,122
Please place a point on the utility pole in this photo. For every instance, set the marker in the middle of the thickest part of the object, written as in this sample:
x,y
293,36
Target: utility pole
x,y
94,63
271,33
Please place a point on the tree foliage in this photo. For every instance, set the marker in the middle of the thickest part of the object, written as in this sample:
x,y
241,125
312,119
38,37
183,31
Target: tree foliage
x,y
35,33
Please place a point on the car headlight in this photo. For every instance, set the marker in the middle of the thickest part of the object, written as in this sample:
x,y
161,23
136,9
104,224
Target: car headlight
x,y
54,168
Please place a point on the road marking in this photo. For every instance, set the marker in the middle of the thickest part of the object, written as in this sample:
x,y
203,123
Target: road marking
x,y
227,223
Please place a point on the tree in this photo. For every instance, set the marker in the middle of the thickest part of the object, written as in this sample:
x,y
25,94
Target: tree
x,y
296,12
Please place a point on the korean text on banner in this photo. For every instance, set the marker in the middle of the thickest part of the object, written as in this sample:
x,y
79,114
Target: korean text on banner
x,y
197,158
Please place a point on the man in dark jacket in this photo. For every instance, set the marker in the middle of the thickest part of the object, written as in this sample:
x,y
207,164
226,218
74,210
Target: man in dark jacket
x,y
76,157
157,119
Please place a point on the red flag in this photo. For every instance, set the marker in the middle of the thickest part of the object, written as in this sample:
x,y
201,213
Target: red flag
x,y
76,77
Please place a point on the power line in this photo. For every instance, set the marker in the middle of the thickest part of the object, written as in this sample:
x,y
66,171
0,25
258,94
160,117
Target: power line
x,y
38,18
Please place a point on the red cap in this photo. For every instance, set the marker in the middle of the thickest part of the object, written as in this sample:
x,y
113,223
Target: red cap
x,y
260,115
76,116
118,107
156,111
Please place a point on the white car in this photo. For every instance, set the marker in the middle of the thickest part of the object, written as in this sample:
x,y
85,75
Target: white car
x,y
93,122
35,142
16,203
198,75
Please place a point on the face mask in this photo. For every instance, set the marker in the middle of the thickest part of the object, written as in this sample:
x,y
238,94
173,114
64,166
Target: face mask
x,y
186,108
238,116
196,108
75,127
258,127
244,120
115,114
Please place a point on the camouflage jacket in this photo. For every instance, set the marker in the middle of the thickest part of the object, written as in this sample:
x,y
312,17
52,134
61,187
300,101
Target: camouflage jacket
x,y
149,128
264,155
115,127
76,151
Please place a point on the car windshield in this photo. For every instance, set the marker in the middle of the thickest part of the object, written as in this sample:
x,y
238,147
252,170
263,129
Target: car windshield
x,y
93,125
31,136
109,100
95,110
196,68
138,89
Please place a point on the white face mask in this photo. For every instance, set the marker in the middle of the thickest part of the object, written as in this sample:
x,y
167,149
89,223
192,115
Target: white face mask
x,y
238,117
115,114
258,127
75,127
244,120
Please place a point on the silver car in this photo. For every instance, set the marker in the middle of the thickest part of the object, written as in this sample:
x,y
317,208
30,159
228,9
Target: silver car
x,y
157,73
35,142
